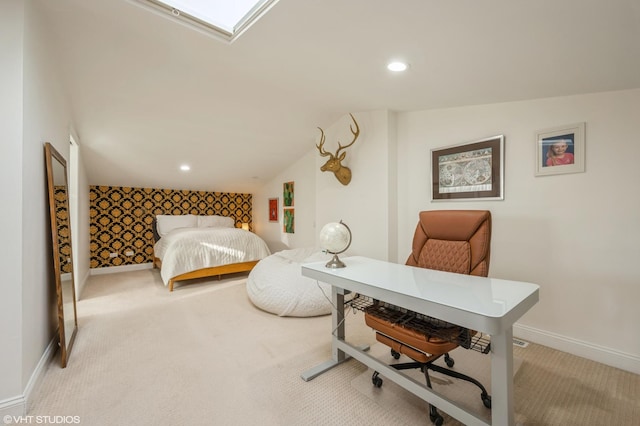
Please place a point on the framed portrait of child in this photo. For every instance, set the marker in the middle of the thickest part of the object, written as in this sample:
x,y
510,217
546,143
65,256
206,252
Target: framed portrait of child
x,y
560,150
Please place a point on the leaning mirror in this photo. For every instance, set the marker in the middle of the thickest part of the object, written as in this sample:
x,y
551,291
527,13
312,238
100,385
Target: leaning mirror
x,y
61,244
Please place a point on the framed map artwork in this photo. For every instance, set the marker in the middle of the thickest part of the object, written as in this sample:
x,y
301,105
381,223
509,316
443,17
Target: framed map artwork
x,y
469,171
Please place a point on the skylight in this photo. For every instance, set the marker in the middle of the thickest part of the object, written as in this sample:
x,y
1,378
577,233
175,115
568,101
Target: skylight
x,y
226,19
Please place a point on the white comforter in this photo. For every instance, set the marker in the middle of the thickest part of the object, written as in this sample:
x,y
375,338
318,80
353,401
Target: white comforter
x,y
189,249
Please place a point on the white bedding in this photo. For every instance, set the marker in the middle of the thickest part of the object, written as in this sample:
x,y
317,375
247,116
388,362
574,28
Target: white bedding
x,y
189,249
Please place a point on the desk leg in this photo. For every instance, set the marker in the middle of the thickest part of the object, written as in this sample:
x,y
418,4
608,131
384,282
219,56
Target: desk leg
x,y
502,378
337,326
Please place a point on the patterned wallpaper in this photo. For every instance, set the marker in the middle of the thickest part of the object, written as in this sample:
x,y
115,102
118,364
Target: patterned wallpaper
x,y
121,218
62,224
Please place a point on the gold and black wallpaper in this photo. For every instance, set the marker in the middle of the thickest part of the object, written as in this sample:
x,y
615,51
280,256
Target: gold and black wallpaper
x,y
62,223
121,218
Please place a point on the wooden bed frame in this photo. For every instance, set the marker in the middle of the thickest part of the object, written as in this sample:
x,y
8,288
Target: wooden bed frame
x,y
208,272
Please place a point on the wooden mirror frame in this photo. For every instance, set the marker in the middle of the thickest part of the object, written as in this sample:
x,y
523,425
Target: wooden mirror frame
x,y
60,240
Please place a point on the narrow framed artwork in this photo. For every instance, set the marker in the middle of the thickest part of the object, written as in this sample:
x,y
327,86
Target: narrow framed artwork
x,y
273,209
287,194
469,171
560,150
289,216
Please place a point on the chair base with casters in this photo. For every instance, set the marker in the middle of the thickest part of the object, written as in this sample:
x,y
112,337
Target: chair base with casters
x,y
442,338
434,416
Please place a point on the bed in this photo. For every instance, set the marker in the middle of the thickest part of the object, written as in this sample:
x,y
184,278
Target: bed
x,y
190,246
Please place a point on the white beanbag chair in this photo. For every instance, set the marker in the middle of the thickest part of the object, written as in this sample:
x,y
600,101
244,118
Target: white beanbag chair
x,y
276,285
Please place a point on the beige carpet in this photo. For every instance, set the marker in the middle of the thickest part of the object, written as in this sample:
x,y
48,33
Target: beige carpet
x,y
411,408
204,355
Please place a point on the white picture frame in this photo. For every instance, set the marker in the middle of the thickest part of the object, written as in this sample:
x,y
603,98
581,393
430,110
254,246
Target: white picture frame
x,y
560,150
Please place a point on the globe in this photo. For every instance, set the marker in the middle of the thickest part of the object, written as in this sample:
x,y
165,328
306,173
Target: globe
x,y
335,238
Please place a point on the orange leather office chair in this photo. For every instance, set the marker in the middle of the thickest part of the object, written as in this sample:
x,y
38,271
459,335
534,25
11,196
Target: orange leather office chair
x,y
447,240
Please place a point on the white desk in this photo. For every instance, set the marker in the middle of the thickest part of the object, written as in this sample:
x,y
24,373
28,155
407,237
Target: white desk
x,y
488,305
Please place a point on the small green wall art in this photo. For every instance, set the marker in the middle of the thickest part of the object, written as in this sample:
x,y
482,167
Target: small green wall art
x,y
289,221
287,194
288,213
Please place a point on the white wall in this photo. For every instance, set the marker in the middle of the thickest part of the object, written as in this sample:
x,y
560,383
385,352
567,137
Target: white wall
x,y
365,204
45,120
301,173
575,235
80,218
36,111
81,229
11,101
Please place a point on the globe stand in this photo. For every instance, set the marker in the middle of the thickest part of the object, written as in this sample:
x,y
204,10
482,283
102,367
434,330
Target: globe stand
x,y
335,262
333,245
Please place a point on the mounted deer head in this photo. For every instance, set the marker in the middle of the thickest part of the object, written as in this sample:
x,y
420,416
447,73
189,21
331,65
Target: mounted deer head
x,y
334,163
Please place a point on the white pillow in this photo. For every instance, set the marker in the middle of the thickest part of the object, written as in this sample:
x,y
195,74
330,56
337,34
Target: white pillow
x,y
216,222
167,223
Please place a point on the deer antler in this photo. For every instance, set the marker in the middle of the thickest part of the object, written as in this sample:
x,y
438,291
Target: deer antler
x,y
334,163
320,146
355,133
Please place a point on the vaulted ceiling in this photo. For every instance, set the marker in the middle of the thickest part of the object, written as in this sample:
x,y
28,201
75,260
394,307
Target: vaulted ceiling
x,y
148,94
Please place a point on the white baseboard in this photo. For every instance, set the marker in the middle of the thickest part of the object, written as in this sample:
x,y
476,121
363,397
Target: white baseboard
x,y
121,268
81,284
49,352
84,279
601,354
15,406
18,405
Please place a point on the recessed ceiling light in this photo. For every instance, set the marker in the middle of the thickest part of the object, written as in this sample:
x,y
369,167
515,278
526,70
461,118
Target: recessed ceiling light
x,y
185,168
397,66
